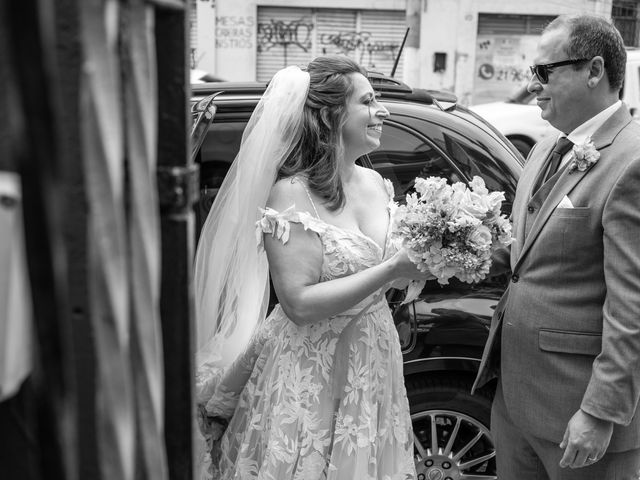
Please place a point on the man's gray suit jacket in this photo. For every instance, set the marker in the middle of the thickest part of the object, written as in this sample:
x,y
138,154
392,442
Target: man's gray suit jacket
x,y
566,333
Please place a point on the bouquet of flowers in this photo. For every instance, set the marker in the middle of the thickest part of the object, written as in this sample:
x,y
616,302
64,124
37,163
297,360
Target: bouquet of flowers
x,y
450,230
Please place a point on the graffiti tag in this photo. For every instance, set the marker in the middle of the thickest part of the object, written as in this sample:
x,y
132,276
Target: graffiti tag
x,y
363,42
350,41
285,34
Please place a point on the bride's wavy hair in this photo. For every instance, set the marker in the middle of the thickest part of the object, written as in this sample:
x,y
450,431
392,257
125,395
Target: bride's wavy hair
x,y
315,155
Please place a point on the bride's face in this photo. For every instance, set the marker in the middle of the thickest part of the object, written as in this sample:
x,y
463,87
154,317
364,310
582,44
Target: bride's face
x,y
362,128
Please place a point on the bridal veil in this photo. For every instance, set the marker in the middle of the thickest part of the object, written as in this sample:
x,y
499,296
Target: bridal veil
x,y
231,273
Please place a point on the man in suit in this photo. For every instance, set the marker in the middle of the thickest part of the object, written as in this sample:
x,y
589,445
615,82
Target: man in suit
x,y
565,338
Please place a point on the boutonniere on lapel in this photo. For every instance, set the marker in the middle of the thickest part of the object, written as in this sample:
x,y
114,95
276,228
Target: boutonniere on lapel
x,y
583,157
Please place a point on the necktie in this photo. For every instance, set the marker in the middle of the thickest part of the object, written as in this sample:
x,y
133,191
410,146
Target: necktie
x,y
563,145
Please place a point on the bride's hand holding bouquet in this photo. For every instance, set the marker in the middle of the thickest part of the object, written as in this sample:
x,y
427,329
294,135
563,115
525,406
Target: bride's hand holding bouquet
x,y
450,230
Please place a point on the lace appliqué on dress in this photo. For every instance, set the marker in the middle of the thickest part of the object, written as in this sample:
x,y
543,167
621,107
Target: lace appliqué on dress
x,y
326,400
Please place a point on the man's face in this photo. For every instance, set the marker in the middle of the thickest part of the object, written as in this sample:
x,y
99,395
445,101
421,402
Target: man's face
x,y
564,99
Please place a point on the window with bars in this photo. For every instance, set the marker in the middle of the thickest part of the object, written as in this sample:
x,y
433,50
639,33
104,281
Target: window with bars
x,y
625,17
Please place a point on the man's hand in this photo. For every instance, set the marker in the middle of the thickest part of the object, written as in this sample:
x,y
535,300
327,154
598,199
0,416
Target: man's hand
x,y
585,440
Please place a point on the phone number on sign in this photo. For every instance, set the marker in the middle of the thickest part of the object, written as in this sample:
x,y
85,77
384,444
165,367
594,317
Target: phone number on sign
x,y
503,74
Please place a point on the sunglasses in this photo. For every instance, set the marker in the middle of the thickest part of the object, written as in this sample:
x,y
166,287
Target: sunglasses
x,y
542,71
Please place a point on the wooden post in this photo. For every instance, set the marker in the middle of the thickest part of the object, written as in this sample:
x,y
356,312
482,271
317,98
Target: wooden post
x,y
178,191
37,154
69,47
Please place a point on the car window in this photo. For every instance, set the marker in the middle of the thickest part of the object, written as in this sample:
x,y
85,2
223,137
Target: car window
x,y
217,152
404,155
472,161
219,149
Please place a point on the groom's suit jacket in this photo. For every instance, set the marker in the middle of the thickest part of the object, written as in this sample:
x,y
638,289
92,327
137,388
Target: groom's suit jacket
x,y
566,333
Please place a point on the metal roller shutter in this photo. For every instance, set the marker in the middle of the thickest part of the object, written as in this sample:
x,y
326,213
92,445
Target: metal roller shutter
x,y
489,23
387,30
285,37
335,32
371,37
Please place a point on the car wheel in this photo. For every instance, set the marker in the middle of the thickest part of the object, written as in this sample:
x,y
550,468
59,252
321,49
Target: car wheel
x,y
451,430
521,145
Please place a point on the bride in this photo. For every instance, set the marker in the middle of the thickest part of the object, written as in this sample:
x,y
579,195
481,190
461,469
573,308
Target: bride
x,y
315,390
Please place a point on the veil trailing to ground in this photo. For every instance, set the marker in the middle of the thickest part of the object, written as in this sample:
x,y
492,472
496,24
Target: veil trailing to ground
x,y
231,273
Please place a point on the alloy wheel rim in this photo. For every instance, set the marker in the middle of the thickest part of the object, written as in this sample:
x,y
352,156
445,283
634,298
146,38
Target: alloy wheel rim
x,y
464,449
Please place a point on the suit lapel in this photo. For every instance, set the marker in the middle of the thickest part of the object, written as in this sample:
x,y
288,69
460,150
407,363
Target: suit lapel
x,y
566,181
532,169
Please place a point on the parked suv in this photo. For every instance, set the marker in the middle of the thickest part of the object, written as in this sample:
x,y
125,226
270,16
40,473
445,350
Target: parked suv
x,y
444,332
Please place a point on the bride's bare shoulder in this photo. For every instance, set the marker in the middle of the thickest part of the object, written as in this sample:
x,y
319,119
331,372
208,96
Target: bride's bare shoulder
x,y
286,192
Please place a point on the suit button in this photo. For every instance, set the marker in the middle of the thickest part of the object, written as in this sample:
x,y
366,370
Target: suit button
x,y
515,277
531,209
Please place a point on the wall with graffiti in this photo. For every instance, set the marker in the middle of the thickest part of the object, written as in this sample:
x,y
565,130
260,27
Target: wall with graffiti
x,y
245,41
295,35
252,39
277,33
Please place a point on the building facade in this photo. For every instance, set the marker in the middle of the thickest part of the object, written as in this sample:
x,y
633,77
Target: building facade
x,y
478,49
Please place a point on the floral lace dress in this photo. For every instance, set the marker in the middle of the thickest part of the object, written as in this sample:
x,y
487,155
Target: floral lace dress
x,y
322,401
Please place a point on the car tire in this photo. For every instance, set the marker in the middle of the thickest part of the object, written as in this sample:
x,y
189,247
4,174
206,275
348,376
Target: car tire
x,y
521,145
444,412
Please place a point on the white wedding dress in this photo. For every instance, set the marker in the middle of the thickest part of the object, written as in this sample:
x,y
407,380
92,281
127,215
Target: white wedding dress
x,y
323,401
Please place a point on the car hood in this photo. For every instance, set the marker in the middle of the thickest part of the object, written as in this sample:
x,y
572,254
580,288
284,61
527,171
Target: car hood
x,y
515,119
495,110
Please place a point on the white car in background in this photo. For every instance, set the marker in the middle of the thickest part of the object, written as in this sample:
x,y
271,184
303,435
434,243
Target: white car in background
x,y
200,76
518,118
